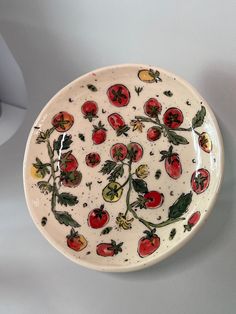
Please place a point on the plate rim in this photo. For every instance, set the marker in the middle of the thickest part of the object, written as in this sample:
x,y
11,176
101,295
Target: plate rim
x,y
184,241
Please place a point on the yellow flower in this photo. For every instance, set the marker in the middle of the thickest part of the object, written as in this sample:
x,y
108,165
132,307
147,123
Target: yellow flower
x,y
123,222
142,171
137,125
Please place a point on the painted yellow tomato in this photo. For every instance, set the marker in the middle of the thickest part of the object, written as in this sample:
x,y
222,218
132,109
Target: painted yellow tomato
x,y
149,76
35,174
205,143
112,192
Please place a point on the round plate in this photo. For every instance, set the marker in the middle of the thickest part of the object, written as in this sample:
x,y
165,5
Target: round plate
x,y
122,167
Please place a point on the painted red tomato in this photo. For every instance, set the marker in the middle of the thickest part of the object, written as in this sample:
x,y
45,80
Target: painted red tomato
x,y
135,151
117,122
118,95
76,241
153,133
118,152
92,159
200,180
90,110
109,249
71,179
149,243
152,107
62,121
173,118
68,162
154,199
99,134
193,220
172,163
98,217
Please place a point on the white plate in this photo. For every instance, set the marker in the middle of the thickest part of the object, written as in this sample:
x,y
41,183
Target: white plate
x,y
127,206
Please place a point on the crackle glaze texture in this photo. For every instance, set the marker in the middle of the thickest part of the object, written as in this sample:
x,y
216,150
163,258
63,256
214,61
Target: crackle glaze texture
x,y
122,166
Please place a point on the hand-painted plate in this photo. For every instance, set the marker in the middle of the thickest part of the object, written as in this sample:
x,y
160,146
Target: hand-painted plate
x,y
122,167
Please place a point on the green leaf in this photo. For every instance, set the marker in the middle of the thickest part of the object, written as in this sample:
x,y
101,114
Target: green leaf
x,y
67,199
92,87
41,167
117,172
180,206
63,142
106,230
175,138
140,186
44,186
43,136
158,174
65,218
199,118
108,167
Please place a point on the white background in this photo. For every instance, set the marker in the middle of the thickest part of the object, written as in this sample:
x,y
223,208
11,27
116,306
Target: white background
x,y
56,41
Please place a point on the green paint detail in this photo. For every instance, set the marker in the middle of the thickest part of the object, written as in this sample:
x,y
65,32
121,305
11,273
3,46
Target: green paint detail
x,y
81,137
63,142
66,219
199,118
66,198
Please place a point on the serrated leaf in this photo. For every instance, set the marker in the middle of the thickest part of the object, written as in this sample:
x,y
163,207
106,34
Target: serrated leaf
x,y
67,199
108,166
63,142
158,174
176,139
140,186
117,172
41,167
65,218
44,186
106,230
92,87
180,206
43,136
199,118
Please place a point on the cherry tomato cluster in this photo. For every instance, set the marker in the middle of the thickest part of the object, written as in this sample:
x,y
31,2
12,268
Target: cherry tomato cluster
x,y
68,164
172,118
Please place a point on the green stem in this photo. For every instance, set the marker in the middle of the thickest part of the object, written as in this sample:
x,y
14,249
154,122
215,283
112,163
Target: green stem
x,y
128,207
197,132
120,187
49,178
157,122
182,129
140,219
53,175
151,225
144,119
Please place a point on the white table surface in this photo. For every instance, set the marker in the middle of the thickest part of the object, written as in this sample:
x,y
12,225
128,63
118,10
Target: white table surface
x,y
57,41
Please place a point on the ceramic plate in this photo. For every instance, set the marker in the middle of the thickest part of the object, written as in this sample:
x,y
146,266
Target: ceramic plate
x,y
122,167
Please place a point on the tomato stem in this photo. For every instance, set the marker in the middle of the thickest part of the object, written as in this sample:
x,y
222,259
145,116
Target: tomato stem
x,y
151,225
120,187
128,207
53,175
143,221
